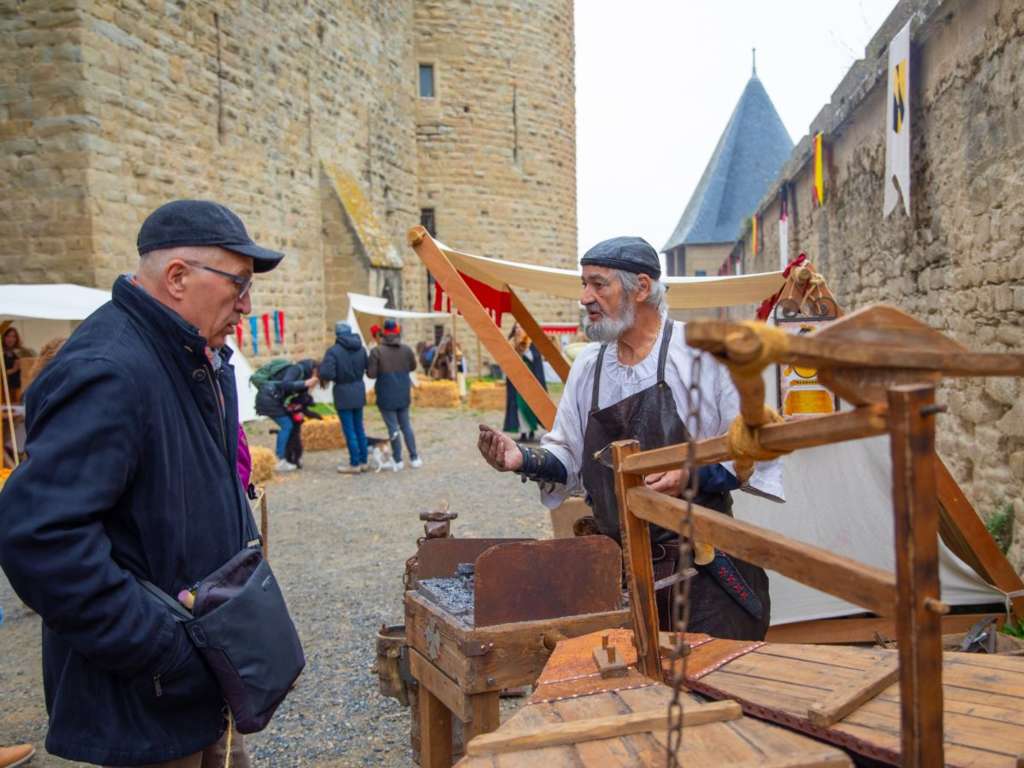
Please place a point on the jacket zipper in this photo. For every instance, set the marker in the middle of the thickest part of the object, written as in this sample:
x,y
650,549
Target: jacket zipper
x,y
220,412
157,687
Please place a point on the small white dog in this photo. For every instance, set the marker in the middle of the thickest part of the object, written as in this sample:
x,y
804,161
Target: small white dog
x,y
380,454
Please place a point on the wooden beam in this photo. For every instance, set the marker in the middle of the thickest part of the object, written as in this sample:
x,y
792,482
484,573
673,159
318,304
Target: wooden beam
x,y
486,714
609,727
863,585
883,347
548,349
912,430
636,556
862,629
866,421
964,532
442,686
435,731
466,301
840,703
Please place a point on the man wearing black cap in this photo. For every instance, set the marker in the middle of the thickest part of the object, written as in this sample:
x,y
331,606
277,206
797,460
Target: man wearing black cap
x,y
132,444
633,385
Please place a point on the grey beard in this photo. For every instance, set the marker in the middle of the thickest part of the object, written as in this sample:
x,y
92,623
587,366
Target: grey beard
x,y
609,329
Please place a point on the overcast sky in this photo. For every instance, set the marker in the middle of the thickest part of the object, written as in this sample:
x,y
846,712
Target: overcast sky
x,y
656,81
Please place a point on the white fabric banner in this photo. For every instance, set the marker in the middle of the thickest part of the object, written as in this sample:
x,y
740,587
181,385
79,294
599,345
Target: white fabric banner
x,y
897,124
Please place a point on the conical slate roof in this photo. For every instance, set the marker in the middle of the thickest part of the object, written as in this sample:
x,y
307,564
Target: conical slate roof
x,y
750,154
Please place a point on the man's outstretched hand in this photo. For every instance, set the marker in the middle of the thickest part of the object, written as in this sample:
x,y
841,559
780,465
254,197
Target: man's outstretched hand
x,y
500,450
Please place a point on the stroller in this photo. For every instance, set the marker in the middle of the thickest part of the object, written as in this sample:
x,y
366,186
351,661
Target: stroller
x,y
298,408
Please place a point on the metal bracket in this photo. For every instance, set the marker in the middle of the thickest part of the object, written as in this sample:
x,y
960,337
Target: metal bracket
x,y
475,648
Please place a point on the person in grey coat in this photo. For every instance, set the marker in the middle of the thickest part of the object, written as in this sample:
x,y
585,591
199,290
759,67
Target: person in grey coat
x,y
345,365
390,364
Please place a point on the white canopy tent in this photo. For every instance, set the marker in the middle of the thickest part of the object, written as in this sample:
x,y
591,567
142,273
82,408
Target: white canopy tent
x,y
683,292
364,311
47,311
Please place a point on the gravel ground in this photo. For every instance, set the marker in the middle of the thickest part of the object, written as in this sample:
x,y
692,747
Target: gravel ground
x,y
338,545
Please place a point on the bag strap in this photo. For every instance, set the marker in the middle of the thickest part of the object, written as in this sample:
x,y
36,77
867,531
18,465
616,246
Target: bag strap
x,y
181,613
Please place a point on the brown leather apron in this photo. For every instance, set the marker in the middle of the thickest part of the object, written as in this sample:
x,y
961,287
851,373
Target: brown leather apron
x,y
650,417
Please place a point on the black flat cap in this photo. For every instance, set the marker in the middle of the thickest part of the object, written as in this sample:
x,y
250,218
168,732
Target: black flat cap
x,y
202,222
631,254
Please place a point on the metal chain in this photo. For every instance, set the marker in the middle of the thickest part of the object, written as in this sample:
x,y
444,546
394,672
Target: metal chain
x,y
681,589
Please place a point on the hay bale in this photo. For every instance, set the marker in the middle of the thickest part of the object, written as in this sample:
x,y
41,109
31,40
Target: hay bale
x,y
322,435
443,393
487,396
263,461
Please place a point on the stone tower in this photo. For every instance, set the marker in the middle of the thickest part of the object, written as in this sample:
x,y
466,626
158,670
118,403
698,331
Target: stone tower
x,y
496,159
304,117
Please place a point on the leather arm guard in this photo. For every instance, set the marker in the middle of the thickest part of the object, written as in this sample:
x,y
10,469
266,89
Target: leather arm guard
x,y
542,466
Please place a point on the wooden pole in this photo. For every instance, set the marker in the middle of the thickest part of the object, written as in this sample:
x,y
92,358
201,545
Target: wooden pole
x,y
636,555
548,349
497,345
918,631
964,532
9,405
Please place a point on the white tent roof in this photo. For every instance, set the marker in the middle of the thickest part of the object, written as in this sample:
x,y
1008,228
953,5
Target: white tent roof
x,y
60,301
364,311
46,311
683,293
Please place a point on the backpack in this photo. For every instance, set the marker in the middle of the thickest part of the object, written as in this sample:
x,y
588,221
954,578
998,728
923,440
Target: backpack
x,y
267,372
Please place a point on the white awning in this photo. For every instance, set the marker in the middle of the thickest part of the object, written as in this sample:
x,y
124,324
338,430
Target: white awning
x,y
683,293
43,312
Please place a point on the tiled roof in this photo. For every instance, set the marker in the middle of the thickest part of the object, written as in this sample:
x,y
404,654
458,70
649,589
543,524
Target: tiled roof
x,y
749,155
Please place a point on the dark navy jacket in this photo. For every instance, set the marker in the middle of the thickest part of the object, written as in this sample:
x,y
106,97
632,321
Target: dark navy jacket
x,y
345,365
130,471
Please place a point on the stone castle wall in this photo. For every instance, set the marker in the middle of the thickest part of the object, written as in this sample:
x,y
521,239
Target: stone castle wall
x,y
957,261
109,109
496,148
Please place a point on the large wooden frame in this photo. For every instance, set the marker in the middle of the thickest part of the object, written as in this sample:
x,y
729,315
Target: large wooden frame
x,y
493,339
912,596
960,526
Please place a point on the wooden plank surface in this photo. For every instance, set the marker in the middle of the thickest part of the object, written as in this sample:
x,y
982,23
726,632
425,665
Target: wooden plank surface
x,y
983,696
584,730
861,584
742,742
842,702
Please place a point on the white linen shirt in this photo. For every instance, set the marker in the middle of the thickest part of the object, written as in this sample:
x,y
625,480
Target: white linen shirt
x,y
719,406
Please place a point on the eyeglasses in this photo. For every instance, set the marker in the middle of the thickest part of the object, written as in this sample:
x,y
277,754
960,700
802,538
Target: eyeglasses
x,y
242,282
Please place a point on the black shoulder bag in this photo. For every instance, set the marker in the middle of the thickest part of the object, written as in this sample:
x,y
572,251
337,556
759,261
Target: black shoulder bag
x,y
241,627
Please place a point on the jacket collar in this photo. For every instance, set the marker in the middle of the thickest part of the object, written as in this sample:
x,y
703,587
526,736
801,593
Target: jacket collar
x,y
164,326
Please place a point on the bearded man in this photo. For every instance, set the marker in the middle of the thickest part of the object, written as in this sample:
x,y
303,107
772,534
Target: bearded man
x,y
632,384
